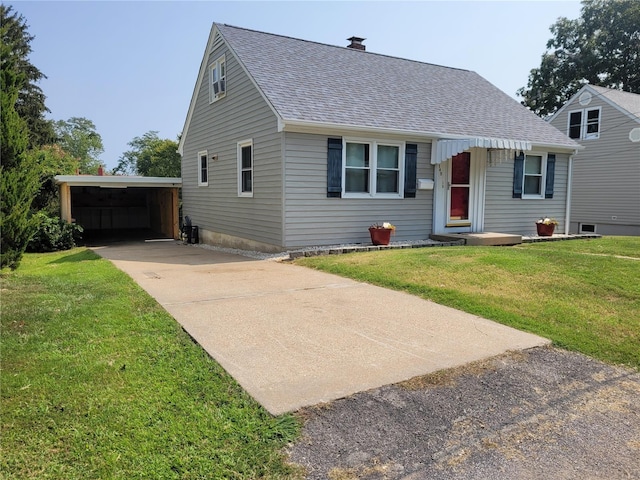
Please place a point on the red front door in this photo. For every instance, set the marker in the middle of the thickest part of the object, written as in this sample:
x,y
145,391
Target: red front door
x,y
459,187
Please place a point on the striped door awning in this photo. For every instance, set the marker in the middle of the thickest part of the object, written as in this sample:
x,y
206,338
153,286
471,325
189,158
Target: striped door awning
x,y
448,148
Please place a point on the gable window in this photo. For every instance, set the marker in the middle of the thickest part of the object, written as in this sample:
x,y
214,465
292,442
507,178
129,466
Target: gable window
x,y
245,168
203,169
584,124
217,79
372,168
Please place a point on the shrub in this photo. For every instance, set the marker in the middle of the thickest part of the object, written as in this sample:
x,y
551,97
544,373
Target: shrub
x,y
53,234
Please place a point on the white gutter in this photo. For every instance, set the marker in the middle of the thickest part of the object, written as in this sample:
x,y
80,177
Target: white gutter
x,y
311,126
116,181
569,183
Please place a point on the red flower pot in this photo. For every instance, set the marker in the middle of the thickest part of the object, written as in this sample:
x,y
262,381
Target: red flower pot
x,y
380,236
545,230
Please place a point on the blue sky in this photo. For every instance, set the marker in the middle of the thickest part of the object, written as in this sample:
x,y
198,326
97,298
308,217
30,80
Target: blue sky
x,y
130,67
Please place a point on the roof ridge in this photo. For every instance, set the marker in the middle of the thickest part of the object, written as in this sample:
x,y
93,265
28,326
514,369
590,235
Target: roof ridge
x,y
343,48
608,89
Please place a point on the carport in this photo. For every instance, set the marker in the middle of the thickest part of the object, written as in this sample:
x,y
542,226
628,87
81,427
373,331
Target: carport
x,y
121,205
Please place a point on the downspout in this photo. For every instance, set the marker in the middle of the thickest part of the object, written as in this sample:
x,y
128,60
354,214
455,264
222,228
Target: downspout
x,y
569,183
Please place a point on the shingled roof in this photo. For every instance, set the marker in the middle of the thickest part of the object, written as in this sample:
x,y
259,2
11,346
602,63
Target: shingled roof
x,y
626,100
317,84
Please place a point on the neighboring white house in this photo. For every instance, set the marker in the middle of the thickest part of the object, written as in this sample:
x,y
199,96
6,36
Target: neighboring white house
x,y
605,192
291,143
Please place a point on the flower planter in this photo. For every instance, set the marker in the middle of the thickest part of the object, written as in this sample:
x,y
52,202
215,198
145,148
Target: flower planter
x,y
380,236
545,230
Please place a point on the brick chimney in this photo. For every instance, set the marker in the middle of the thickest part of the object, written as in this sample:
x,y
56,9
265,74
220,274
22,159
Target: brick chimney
x,y
356,43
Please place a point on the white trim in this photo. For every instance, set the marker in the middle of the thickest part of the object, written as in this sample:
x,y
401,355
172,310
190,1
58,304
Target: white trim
x,y
477,192
373,168
594,225
241,145
325,128
543,175
568,204
201,73
196,88
584,115
595,94
220,64
463,222
201,154
116,181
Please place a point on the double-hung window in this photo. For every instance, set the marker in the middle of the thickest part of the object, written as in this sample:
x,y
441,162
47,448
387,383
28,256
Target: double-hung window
x,y
245,168
372,169
584,124
203,169
533,178
217,79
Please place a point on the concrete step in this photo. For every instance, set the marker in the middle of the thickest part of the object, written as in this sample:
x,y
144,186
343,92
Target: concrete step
x,y
479,239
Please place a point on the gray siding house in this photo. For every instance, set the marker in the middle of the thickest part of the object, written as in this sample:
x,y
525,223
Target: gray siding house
x,y
605,192
290,143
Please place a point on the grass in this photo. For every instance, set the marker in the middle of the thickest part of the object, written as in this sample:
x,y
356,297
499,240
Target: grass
x,y
98,381
584,295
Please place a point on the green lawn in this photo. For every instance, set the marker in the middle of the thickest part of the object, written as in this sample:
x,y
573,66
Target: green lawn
x,y
582,294
98,381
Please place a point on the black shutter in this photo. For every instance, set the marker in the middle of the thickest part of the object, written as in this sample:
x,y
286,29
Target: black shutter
x,y
410,169
334,168
518,172
551,174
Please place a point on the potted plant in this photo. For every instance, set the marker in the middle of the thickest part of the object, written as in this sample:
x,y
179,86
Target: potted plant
x,y
381,233
545,226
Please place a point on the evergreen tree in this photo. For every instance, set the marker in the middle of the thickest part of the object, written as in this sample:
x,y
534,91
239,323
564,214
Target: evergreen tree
x,y
19,174
19,177
30,104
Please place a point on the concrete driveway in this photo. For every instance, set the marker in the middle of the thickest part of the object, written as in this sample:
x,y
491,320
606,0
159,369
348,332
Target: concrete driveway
x,y
295,337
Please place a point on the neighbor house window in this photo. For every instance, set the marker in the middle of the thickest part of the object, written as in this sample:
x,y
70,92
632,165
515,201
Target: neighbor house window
x,y
533,175
245,168
217,79
203,169
372,168
584,124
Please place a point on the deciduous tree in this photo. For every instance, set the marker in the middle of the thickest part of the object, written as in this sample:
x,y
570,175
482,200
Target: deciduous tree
x,y
602,47
151,156
79,138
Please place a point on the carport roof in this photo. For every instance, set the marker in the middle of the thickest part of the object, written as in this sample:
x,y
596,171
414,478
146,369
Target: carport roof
x,y
117,181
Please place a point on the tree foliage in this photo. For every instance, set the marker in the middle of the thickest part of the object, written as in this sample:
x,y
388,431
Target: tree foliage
x,y
602,47
18,177
150,156
30,102
18,187
51,160
29,161
79,138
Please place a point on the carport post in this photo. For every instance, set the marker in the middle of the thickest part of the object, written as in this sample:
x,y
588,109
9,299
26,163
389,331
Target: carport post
x,y
65,202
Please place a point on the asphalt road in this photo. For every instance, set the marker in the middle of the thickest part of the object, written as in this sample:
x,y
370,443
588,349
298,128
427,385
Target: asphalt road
x,y
543,413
